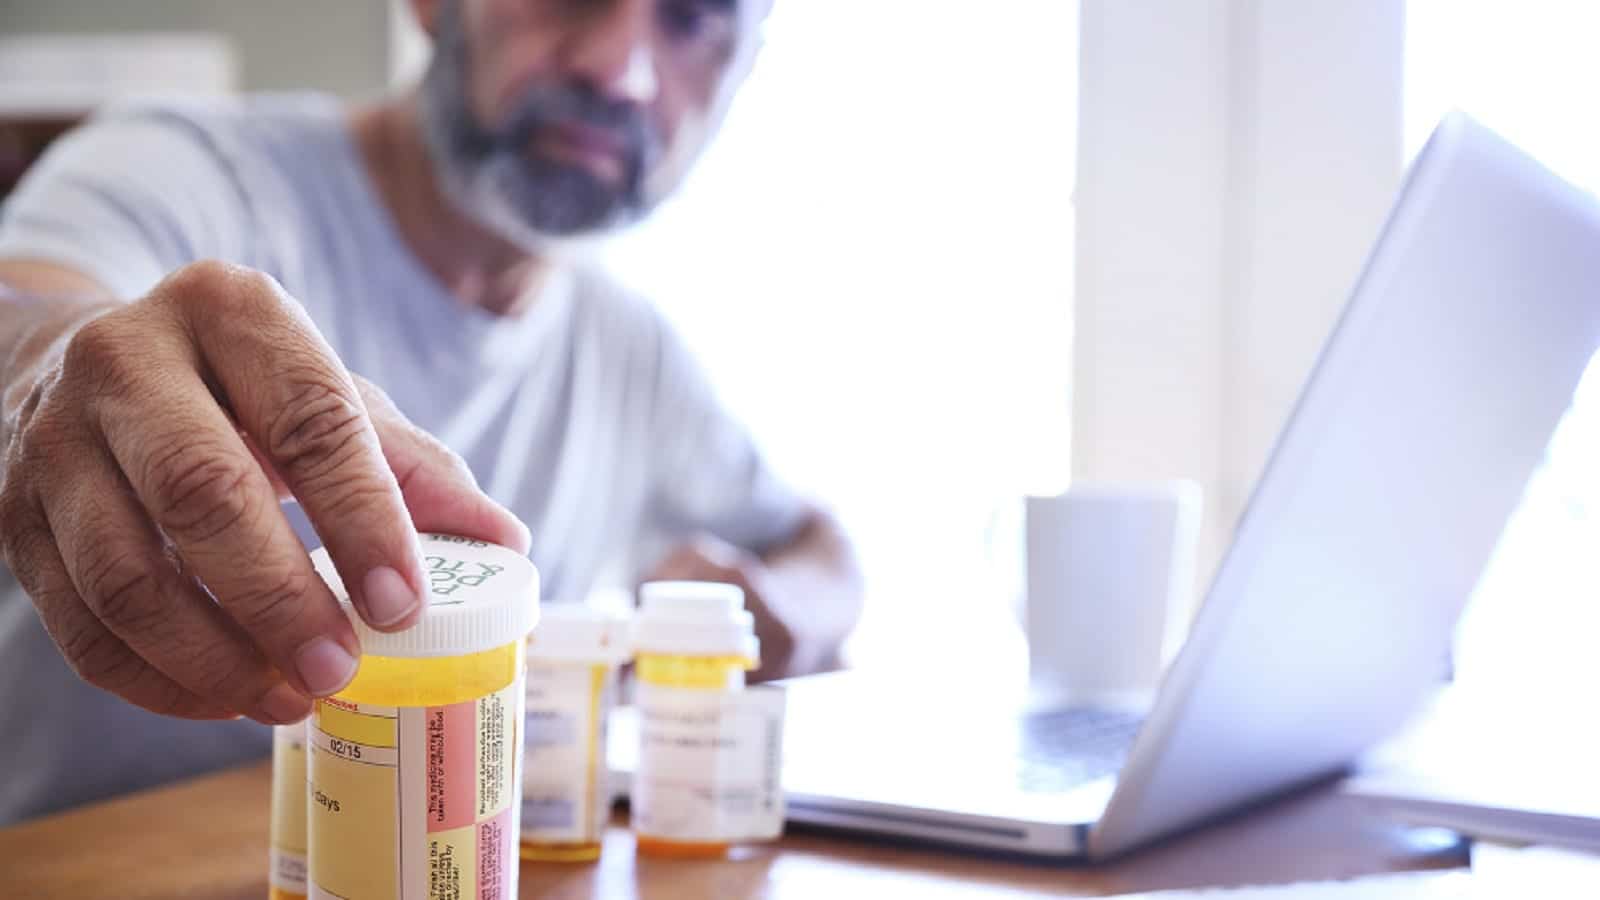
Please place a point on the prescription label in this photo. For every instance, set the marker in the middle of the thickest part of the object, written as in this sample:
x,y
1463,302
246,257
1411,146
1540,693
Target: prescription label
x,y
286,872
564,790
709,764
415,803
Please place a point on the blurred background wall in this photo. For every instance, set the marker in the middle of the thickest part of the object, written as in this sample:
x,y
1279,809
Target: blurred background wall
x,y
59,59
342,46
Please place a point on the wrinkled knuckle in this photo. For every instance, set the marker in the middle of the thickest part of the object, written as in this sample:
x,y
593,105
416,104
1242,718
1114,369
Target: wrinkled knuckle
x,y
25,396
272,604
199,494
117,588
227,672
93,342
23,544
256,291
350,497
201,279
37,451
99,658
12,512
100,356
206,281
318,432
212,287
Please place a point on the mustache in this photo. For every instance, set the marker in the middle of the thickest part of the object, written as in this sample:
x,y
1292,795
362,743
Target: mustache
x,y
544,106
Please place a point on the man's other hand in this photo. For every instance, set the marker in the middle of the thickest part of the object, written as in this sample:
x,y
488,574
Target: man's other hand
x,y
707,558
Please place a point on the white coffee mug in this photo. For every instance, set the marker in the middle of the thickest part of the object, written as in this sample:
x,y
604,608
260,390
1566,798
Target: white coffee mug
x,y
1110,580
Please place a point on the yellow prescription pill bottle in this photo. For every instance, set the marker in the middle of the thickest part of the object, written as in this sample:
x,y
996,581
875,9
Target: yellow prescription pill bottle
x,y
573,659
286,872
692,640
415,767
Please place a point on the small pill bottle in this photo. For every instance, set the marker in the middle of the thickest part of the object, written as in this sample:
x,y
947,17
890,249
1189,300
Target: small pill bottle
x,y
690,638
573,658
286,866
415,767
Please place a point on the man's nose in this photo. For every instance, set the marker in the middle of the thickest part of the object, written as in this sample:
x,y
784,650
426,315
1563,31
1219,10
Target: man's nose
x,y
612,50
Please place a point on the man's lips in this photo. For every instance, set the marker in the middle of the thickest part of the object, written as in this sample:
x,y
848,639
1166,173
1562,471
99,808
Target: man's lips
x,y
600,150
590,138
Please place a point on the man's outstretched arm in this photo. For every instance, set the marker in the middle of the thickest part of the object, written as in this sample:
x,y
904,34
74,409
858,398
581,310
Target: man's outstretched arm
x,y
146,446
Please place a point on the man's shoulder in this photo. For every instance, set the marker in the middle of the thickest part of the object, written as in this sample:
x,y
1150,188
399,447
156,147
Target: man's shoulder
x,y
147,186
251,117
233,131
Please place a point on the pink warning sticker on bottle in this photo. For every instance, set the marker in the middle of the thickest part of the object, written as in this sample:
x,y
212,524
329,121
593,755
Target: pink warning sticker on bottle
x,y
422,802
452,733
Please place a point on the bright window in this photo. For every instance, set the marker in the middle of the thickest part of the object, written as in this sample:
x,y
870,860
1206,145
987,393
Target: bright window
x,y
874,262
1529,70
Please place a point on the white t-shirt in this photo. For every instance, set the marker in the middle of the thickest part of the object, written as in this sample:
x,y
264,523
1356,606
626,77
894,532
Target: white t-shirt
x,y
586,416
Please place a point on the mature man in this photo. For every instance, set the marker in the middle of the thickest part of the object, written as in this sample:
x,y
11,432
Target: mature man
x,y
205,310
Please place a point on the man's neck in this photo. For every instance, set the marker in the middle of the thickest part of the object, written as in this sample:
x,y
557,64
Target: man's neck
x,y
479,267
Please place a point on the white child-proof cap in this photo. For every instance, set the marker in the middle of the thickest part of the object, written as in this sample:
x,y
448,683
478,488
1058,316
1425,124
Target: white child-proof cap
x,y
480,596
574,632
694,618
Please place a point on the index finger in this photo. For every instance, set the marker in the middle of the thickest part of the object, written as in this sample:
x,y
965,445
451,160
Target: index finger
x,y
290,393
199,484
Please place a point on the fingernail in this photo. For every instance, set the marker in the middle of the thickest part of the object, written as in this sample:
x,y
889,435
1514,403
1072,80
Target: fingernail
x,y
284,705
324,666
387,597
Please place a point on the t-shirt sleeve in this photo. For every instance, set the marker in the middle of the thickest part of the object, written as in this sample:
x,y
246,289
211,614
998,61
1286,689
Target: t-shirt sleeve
x,y
125,199
709,474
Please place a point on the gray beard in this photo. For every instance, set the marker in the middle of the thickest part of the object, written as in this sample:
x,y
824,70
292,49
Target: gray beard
x,y
489,178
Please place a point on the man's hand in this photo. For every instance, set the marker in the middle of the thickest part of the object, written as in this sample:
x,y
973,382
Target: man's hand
x,y
805,595
707,558
139,501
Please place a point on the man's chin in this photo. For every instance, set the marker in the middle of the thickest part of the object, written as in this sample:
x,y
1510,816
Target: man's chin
x,y
543,229
564,201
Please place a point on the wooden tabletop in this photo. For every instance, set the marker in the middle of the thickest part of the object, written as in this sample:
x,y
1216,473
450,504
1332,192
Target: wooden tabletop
x,y
207,838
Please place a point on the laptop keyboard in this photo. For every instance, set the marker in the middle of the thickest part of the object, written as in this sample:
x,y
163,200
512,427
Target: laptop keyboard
x,y
1063,749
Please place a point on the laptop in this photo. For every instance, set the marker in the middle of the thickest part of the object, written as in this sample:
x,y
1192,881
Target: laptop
x,y
1331,615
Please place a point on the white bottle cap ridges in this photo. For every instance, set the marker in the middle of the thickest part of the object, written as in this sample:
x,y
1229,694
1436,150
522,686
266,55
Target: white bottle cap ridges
x,y
480,596
694,618
574,632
